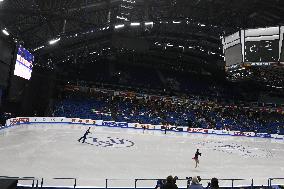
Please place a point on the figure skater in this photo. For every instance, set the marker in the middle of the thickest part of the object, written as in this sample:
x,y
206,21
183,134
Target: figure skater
x,y
166,128
197,153
84,137
144,128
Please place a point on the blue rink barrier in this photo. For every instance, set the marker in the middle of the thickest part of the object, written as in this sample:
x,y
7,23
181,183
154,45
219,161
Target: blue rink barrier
x,y
263,135
127,125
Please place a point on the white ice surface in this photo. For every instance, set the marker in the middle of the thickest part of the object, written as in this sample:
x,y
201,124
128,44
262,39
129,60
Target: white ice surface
x,y
48,151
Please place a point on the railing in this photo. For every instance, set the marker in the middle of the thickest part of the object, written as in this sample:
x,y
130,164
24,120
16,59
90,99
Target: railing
x,y
120,181
35,181
33,185
271,179
75,180
232,180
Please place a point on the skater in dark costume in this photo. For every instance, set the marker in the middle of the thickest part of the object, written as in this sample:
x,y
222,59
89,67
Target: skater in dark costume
x,y
166,128
84,137
197,153
144,128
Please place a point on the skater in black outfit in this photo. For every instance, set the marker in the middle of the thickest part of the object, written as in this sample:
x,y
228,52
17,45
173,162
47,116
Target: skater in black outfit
x,y
197,153
84,137
144,128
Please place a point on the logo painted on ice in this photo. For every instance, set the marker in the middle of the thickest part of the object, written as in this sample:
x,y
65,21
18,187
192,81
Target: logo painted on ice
x,y
110,142
235,148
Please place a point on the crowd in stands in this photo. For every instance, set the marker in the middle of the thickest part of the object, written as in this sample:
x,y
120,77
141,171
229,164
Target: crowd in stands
x,y
4,116
157,110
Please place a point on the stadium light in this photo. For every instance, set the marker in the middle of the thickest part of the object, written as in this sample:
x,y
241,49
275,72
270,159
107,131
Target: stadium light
x,y
119,26
176,22
129,1
53,41
121,18
1,0
40,47
5,30
135,24
149,23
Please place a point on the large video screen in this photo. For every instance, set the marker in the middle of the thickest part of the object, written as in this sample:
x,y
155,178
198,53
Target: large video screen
x,y
262,51
24,63
262,45
233,55
232,49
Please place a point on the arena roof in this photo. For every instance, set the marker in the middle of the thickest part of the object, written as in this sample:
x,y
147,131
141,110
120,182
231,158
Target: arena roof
x,y
190,29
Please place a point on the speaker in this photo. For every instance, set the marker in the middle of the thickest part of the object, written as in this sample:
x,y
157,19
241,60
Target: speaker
x,y
8,184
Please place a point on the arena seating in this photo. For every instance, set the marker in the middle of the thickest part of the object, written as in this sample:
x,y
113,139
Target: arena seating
x,y
160,110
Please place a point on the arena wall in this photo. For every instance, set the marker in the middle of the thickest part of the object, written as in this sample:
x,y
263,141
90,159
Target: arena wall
x,y
45,120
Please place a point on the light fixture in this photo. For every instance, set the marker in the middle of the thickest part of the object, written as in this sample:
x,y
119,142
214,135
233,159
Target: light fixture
x,y
40,47
135,24
119,26
5,31
149,23
121,18
53,41
176,22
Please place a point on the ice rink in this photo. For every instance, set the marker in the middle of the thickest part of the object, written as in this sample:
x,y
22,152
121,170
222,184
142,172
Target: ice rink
x,y
48,151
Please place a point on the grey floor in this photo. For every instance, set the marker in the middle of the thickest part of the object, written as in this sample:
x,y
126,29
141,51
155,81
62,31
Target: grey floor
x,y
48,151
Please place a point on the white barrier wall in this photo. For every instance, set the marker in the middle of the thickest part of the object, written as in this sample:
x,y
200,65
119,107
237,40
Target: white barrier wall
x,y
29,120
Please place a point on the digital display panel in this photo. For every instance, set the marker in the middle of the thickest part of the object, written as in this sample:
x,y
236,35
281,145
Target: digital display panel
x,y
262,45
24,63
233,55
262,51
232,49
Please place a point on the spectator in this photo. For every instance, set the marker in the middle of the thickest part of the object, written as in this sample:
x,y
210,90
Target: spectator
x,y
175,179
195,184
214,183
160,184
128,106
170,183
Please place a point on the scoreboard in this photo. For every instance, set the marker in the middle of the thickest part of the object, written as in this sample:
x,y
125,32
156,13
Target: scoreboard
x,y
262,51
261,45
24,63
254,47
232,48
